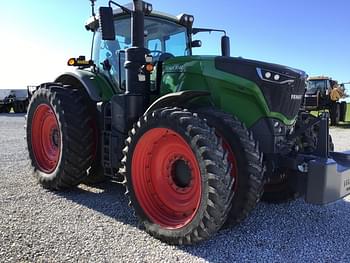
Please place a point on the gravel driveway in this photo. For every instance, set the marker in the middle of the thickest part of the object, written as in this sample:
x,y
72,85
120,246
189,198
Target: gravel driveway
x,y
96,225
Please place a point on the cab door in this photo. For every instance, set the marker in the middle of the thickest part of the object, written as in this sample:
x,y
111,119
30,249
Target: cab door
x,y
109,55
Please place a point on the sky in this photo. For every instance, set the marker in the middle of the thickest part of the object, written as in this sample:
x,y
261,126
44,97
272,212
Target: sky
x,y
38,37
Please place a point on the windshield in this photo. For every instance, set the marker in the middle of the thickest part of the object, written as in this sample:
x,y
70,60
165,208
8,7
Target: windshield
x,y
316,85
161,36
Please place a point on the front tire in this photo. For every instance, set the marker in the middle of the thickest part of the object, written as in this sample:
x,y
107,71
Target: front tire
x,y
177,176
245,159
59,139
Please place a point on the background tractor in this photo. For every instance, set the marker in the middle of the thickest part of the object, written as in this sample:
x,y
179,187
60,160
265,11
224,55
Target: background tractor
x,y
319,97
192,138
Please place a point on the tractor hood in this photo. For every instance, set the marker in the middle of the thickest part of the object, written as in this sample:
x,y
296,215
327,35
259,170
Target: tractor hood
x,y
283,87
246,88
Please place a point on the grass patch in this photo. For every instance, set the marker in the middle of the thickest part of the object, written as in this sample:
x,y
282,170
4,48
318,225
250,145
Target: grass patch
x,y
347,117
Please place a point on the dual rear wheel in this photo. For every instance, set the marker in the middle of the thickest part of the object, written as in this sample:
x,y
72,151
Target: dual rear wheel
x,y
59,136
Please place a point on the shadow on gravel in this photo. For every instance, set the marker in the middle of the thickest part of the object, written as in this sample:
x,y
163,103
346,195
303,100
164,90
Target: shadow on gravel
x,y
107,198
293,232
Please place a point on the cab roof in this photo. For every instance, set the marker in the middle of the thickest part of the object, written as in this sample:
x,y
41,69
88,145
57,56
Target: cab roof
x,y
320,78
92,23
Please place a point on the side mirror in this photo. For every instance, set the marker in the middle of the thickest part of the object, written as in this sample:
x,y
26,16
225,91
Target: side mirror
x,y
196,43
106,23
225,46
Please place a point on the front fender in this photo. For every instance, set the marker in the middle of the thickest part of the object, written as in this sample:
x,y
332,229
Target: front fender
x,y
176,99
98,88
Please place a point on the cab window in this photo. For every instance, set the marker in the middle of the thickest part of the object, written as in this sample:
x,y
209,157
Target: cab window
x,y
109,56
161,36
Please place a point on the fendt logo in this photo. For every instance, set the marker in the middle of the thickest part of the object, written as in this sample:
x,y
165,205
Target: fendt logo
x,y
296,97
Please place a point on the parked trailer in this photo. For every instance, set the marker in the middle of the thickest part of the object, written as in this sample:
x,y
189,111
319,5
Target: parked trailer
x,y
16,99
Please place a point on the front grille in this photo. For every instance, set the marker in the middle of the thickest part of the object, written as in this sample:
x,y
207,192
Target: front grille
x,y
283,98
311,102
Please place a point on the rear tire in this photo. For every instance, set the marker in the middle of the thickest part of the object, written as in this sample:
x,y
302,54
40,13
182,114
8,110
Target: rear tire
x,y
6,109
245,159
95,174
59,139
177,176
343,109
19,107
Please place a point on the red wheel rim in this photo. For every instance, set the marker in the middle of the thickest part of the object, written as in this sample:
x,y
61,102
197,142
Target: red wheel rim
x,y
232,160
46,138
166,178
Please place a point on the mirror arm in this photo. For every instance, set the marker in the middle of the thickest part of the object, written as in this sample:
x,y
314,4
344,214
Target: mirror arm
x,y
209,30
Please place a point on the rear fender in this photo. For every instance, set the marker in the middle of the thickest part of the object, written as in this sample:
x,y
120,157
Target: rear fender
x,y
98,88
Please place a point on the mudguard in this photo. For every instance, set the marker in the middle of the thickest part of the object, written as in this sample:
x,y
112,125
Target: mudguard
x,y
176,99
98,88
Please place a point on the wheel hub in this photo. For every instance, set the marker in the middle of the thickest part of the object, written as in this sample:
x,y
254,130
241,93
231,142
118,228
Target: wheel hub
x,y
166,178
55,136
46,141
181,173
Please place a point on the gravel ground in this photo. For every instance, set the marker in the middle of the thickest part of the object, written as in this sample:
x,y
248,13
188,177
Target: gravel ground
x,y
95,224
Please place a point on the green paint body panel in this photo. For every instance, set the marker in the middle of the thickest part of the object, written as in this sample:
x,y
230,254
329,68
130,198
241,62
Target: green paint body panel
x,y
105,89
232,94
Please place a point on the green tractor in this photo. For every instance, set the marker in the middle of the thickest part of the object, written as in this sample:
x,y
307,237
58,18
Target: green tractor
x,y
194,139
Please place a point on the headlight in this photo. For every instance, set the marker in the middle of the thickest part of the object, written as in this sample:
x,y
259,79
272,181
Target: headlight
x,y
148,8
274,77
186,20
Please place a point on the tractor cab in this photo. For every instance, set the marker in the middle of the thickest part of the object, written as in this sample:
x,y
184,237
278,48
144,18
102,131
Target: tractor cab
x,y
317,92
165,36
319,84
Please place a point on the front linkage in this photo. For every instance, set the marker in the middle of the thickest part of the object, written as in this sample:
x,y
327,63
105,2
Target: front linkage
x,y
318,173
